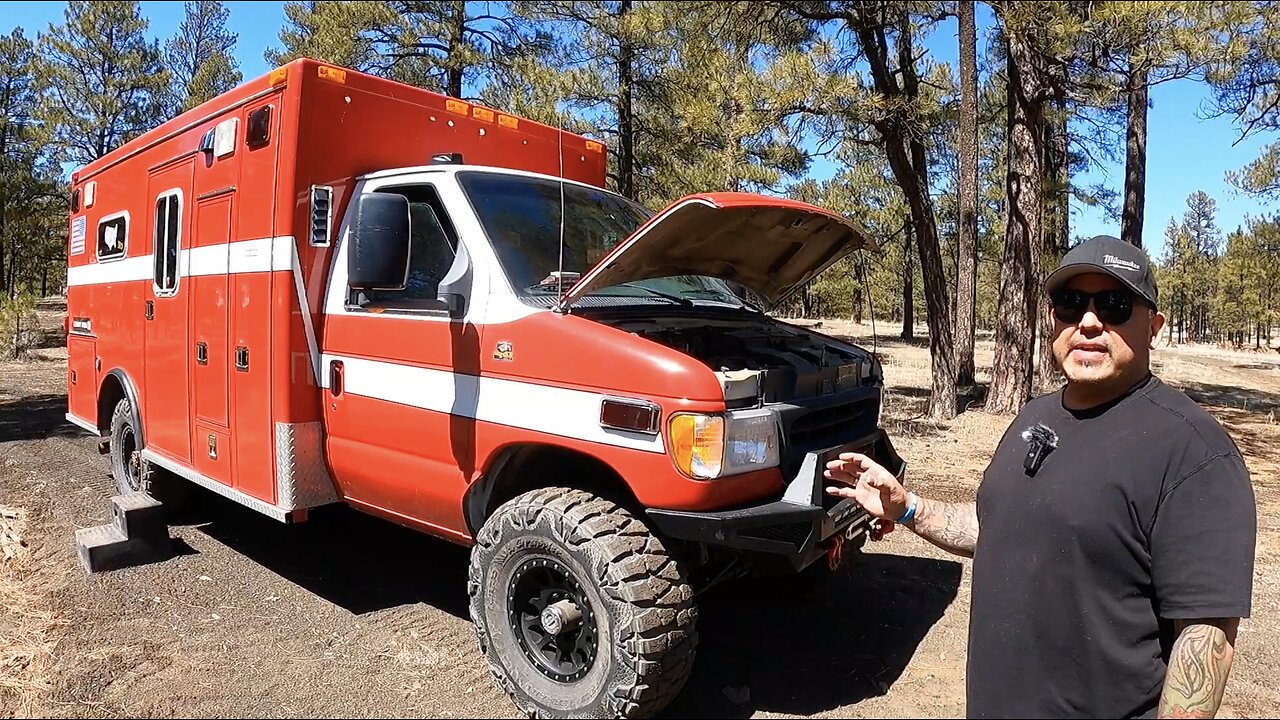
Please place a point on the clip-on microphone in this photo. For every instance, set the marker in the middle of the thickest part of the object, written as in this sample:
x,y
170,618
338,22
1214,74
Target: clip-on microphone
x,y
1041,441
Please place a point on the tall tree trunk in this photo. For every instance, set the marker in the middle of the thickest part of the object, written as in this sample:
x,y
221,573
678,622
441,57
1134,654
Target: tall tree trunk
x,y
967,259
907,160
1056,225
626,119
1011,374
1135,161
908,284
455,47
855,297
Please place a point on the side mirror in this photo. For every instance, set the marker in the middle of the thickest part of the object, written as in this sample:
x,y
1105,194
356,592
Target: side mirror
x,y
378,258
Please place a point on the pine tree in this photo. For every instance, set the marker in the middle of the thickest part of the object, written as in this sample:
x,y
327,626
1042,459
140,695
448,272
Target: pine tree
x,y
894,112
455,47
1019,278
1246,87
610,57
721,113
201,56
32,197
1137,45
967,140
102,82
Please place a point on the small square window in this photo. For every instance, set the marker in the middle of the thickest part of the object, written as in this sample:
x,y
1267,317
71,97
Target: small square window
x,y
113,237
259,133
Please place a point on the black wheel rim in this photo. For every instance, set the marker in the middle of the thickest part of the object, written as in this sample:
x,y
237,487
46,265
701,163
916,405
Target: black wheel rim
x,y
541,586
129,454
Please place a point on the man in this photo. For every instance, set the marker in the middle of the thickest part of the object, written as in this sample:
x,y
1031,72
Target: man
x,y
1114,529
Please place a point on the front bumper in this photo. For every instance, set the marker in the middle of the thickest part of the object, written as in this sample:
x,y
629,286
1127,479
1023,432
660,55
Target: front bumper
x,y
794,529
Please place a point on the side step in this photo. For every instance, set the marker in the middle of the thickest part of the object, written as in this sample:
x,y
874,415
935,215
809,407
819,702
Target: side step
x,y
137,535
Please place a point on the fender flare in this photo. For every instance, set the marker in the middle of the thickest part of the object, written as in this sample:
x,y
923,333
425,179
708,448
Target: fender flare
x,y
475,501
130,392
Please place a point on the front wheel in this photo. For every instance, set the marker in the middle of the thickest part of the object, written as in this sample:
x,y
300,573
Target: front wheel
x,y
579,609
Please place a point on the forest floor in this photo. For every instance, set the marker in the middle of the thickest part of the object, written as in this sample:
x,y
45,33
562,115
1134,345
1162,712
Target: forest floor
x,y
253,618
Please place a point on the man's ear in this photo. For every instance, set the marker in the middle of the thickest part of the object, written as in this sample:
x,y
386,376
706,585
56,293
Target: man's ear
x,y
1157,325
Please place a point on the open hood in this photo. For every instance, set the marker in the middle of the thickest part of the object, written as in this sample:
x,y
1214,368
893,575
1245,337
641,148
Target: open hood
x,y
770,245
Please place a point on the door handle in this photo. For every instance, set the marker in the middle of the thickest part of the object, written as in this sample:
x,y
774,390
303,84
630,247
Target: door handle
x,y
335,378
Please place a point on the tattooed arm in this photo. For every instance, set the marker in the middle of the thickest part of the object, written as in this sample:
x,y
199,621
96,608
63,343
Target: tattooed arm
x,y
1198,667
951,526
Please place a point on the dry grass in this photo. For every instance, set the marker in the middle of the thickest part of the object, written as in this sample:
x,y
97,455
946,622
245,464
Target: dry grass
x,y
27,624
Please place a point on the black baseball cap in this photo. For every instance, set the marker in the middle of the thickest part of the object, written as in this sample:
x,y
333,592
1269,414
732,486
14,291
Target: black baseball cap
x,y
1110,255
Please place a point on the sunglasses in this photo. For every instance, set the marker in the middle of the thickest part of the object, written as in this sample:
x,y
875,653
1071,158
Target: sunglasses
x,y
1113,307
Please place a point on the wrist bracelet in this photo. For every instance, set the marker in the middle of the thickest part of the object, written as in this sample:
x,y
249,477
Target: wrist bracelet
x,y
914,502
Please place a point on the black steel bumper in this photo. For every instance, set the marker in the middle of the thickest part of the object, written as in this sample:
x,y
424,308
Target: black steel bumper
x,y
795,528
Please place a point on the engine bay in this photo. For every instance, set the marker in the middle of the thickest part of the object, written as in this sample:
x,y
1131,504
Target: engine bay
x,y
763,360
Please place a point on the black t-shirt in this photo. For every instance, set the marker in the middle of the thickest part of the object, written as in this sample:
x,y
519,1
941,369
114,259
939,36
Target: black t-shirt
x,y
1142,514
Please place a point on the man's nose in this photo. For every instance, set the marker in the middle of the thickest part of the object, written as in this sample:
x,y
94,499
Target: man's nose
x,y
1090,320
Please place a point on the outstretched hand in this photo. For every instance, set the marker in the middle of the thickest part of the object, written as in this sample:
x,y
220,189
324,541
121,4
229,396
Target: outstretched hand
x,y
873,487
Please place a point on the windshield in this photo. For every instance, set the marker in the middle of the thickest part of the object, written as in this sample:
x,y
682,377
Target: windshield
x,y
521,216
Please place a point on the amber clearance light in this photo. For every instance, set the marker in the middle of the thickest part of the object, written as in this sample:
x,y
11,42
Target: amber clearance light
x,y
714,446
697,445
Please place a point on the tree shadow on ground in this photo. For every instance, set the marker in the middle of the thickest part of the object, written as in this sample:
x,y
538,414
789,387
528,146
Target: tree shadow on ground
x,y
36,417
1249,400
777,650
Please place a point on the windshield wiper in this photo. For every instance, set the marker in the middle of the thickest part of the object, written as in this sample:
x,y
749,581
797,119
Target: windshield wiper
x,y
719,296
674,298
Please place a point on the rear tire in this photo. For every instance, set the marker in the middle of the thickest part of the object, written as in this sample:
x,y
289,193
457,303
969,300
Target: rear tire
x,y
629,640
133,474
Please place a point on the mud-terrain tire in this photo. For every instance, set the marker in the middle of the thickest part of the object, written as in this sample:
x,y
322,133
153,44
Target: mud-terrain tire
x,y
133,474
554,546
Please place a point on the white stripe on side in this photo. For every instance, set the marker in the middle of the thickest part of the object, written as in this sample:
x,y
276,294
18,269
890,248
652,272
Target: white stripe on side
x,y
244,256
127,270
207,260
541,408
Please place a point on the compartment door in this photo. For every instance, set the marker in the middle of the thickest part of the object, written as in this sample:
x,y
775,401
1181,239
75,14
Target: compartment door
x,y
166,406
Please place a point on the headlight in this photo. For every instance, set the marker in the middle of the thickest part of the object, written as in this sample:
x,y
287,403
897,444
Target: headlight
x,y
712,446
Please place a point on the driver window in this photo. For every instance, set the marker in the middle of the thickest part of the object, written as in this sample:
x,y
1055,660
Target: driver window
x,y
432,251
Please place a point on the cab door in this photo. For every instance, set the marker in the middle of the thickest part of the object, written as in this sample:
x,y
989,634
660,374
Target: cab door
x,y
400,373
166,408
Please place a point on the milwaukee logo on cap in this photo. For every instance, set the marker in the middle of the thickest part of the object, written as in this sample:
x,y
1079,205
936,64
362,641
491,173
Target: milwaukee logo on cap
x,y
1114,261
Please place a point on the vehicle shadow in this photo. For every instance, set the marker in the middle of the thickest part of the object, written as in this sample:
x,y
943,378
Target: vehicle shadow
x,y
780,651
358,562
36,417
771,649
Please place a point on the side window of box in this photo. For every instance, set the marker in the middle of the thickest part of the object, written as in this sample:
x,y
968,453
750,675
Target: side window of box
x,y
167,231
113,236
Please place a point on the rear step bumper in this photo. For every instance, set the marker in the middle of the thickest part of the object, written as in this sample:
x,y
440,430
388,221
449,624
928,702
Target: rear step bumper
x,y
795,527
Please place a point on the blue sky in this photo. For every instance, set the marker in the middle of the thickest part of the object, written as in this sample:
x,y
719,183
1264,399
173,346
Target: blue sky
x,y
1185,153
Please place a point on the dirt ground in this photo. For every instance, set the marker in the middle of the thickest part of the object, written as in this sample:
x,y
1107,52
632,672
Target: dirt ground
x,y
348,615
